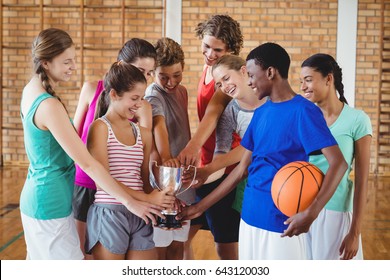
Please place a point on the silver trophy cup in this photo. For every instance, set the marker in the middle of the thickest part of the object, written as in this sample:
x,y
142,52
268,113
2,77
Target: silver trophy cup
x,y
164,177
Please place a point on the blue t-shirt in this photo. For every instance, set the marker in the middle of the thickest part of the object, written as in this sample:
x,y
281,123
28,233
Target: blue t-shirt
x,y
279,133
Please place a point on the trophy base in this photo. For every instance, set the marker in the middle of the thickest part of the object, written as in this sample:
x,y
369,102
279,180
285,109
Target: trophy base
x,y
169,222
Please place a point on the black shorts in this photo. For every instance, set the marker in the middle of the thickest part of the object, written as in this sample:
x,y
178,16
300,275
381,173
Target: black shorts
x,y
82,200
221,218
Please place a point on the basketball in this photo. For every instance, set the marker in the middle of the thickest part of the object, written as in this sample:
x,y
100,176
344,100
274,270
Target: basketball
x,y
295,186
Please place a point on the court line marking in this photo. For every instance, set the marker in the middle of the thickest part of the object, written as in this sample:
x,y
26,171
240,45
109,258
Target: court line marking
x,y
6,245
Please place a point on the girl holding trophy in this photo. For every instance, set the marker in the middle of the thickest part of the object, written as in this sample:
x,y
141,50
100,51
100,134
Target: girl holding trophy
x,y
124,149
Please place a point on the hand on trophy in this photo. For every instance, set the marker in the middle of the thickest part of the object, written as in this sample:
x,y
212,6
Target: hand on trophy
x,y
200,178
163,198
189,213
178,207
173,162
145,210
169,179
190,154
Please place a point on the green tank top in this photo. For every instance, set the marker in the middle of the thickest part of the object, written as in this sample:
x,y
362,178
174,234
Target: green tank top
x,y
48,190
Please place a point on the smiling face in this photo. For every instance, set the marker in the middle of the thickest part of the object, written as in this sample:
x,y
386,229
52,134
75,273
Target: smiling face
x,y
127,104
230,81
212,49
258,79
61,67
314,86
169,77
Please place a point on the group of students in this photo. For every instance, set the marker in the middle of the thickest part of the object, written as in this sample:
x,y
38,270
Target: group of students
x,y
95,171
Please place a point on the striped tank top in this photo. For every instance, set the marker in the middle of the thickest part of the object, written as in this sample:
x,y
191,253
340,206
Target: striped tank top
x,y
124,163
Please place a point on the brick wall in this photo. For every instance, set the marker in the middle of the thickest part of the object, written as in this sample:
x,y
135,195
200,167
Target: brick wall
x,y
302,27
106,28
367,66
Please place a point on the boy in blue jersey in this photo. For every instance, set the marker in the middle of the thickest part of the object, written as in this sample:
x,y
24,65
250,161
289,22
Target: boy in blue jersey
x,y
286,128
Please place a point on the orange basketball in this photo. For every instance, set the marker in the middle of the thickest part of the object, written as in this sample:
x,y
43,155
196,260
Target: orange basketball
x,y
295,186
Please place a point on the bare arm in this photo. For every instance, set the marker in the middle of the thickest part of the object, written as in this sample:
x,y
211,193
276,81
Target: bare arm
x,y
225,160
65,134
144,115
86,95
161,138
146,135
215,169
301,222
216,106
350,244
221,191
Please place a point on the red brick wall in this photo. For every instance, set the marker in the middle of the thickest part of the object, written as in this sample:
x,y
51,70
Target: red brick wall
x,y
103,37
302,27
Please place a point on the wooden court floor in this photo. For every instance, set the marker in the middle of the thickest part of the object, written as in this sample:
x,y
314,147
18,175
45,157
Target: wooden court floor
x,y
375,234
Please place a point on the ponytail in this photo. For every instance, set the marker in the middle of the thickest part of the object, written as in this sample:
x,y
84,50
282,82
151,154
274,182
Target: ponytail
x,y
46,84
102,105
338,76
48,88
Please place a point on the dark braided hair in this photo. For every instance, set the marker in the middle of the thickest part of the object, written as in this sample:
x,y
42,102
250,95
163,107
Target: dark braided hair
x,y
326,64
47,45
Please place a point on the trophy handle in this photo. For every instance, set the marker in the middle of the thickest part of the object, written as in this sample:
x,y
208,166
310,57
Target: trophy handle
x,y
151,175
193,178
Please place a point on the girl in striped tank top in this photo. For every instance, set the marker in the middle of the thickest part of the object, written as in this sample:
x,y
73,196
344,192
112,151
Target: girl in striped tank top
x,y
113,232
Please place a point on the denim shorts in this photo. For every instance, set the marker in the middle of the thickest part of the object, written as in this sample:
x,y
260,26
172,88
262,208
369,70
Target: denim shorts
x,y
117,229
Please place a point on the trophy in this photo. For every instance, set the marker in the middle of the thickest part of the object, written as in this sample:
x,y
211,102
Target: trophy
x,y
164,177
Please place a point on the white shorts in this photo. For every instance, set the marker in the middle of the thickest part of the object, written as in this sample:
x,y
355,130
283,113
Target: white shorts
x,y
164,238
54,239
258,244
327,233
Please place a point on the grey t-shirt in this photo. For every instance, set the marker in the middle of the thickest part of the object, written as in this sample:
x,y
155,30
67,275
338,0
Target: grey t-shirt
x,y
233,119
173,107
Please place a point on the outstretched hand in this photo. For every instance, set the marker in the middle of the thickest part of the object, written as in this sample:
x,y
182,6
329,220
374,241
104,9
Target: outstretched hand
x,y
189,213
189,177
200,177
173,162
189,155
